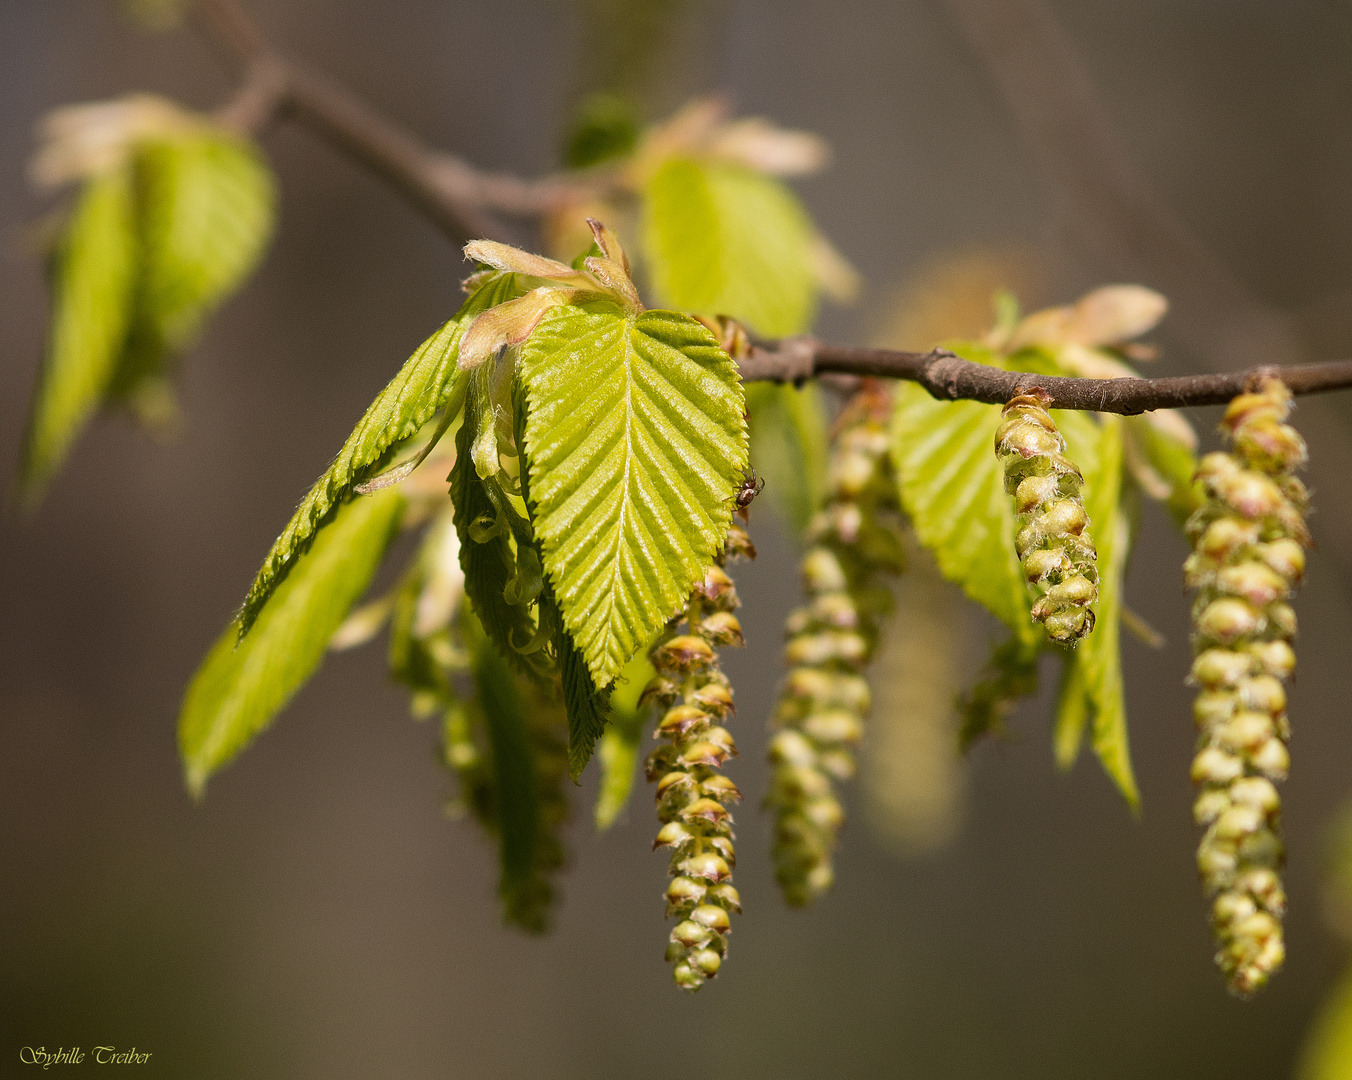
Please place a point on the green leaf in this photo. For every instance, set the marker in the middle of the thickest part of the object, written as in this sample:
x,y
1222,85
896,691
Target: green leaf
x,y
93,275
241,685
587,707
722,239
1072,710
636,443
426,383
789,448
502,701
1111,529
952,488
618,748
1170,460
1092,693
206,209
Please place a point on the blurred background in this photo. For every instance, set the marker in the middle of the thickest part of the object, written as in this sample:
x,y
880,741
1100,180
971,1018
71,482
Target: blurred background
x,y
319,916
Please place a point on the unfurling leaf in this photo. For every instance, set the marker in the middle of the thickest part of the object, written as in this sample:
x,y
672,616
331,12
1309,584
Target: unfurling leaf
x,y
722,239
636,443
241,685
206,208
426,383
93,277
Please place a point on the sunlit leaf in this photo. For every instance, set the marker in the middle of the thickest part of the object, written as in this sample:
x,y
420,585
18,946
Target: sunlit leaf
x,y
426,383
636,443
93,275
723,239
241,685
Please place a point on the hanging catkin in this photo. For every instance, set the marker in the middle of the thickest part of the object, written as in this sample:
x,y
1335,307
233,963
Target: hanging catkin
x,y
1248,558
825,698
1053,545
692,794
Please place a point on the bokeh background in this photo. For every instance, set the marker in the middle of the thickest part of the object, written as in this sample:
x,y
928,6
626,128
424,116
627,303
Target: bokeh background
x,y
319,916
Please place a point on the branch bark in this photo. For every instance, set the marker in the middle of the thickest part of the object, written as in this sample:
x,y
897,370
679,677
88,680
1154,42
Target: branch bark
x,y
948,377
456,197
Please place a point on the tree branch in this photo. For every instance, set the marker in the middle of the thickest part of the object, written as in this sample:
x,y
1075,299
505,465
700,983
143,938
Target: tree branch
x,y
950,378
456,197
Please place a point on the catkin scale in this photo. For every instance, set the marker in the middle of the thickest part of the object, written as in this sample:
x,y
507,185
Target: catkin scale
x,y
1248,559
824,699
1050,537
692,795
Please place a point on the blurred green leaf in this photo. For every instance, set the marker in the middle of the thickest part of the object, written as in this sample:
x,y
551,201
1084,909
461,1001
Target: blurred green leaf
x,y
789,447
524,893
1327,1053
722,239
205,213
241,685
426,383
605,126
93,274
636,443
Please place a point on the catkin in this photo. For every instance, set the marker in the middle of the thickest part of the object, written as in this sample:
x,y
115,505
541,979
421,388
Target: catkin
x,y
1057,554
692,794
1248,558
821,710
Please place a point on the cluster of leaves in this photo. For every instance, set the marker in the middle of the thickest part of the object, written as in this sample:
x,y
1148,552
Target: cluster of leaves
x,y
598,451
172,215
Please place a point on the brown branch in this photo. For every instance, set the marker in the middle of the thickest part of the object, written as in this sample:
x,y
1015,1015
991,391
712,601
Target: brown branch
x,y
950,378
455,196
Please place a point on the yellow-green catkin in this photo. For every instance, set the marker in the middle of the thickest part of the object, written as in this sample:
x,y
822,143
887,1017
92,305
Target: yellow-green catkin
x,y
1249,540
1057,554
822,706
692,794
